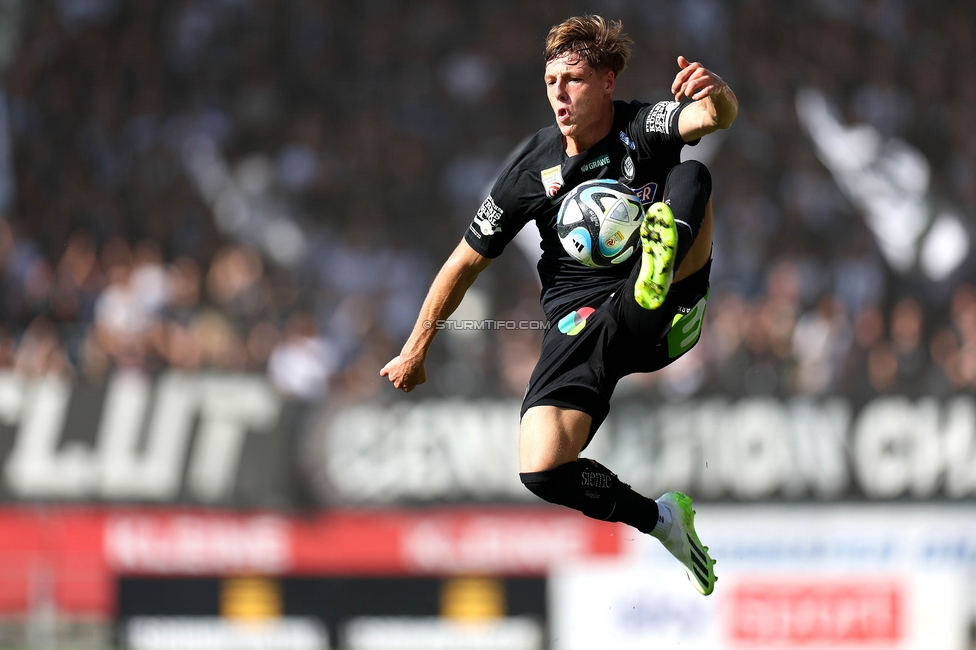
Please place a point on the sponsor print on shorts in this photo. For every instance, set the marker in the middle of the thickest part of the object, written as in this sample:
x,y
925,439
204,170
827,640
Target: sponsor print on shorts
x,y
573,323
685,330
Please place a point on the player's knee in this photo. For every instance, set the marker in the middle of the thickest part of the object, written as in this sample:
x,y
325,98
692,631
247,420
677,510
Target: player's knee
x,y
691,176
547,485
583,485
687,190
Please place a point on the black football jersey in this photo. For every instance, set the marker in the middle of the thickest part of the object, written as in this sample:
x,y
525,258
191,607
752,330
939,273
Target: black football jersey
x,y
640,150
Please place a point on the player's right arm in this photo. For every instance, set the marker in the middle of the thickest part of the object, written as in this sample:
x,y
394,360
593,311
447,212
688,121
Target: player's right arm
x,y
406,370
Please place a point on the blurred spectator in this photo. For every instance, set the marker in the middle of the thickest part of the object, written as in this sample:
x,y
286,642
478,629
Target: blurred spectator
x,y
907,322
821,340
182,290
8,349
868,330
79,281
882,368
123,317
234,281
40,353
302,363
261,342
963,366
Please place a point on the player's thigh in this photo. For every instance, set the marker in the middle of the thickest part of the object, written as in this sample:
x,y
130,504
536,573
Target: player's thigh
x,y
551,436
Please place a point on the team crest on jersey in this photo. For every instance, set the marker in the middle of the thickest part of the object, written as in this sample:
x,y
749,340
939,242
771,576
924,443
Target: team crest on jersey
x,y
627,170
552,180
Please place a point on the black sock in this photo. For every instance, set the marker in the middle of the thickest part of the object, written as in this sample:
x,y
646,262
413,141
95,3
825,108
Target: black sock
x,y
591,488
686,191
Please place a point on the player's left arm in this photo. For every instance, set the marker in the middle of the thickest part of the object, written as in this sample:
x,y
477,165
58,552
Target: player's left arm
x,y
714,105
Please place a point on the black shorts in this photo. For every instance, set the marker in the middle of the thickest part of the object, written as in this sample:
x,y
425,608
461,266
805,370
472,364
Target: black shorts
x,y
588,350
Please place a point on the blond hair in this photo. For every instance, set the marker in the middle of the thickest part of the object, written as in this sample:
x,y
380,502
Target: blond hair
x,y
601,43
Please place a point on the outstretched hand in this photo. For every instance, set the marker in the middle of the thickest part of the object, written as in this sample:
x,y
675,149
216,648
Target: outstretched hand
x,y
405,373
694,81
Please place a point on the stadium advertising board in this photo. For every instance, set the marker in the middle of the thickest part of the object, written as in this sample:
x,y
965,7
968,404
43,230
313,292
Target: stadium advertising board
x,y
811,577
72,555
896,611
204,439
752,449
355,612
231,440
214,633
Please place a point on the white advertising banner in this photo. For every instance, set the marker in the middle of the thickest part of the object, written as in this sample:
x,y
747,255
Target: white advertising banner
x,y
847,577
435,633
746,450
212,633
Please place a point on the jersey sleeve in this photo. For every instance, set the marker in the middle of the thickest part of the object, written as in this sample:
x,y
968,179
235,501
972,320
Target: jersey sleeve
x,y
501,215
656,125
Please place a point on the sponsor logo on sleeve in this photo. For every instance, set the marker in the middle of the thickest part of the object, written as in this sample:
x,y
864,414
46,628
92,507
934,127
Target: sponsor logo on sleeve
x,y
487,218
659,117
552,180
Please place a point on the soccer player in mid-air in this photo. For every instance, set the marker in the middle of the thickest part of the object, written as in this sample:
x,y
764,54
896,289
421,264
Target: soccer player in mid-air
x,y
638,316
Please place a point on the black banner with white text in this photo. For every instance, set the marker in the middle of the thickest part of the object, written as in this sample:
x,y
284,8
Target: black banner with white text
x,y
231,440
750,449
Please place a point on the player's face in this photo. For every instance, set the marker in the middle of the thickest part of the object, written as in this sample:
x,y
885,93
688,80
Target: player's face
x,y
578,93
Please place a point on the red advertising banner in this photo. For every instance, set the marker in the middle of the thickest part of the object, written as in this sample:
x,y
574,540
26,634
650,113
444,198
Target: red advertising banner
x,y
69,558
53,557
836,613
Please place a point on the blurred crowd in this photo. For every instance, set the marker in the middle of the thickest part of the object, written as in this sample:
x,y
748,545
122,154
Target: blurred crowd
x,y
349,144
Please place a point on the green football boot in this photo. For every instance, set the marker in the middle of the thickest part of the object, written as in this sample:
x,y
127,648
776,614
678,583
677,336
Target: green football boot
x,y
659,242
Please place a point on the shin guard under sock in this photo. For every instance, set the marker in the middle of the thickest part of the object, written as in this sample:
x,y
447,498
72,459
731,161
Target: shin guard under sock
x,y
686,191
591,488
